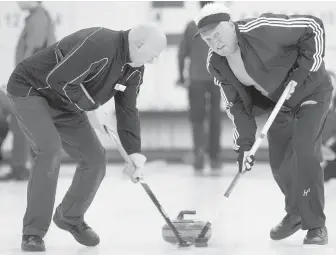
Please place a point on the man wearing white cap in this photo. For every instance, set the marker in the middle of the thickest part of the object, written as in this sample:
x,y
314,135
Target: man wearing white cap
x,y
252,62
50,94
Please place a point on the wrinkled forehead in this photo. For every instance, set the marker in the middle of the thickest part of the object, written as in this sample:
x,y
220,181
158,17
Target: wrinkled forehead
x,y
207,31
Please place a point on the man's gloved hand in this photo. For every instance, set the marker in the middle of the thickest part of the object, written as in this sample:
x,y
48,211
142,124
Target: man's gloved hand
x,y
181,82
327,153
244,161
134,170
293,84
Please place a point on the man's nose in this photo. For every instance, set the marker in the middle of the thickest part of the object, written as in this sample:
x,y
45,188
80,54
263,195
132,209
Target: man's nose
x,y
215,36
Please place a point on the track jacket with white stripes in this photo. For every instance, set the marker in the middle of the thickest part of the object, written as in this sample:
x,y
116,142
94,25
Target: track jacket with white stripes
x,y
275,49
95,58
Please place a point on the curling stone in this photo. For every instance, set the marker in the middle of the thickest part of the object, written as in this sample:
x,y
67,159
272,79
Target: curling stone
x,y
197,232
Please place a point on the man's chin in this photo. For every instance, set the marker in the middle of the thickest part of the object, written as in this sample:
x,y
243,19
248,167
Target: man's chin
x,y
222,53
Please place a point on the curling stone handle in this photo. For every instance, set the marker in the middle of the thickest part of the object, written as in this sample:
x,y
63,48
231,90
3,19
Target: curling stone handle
x,y
180,216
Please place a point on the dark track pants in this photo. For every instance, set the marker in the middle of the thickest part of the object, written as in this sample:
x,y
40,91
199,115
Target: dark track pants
x,y
47,130
4,113
21,148
295,156
199,93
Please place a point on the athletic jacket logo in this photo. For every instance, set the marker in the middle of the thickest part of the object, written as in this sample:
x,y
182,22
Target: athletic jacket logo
x,y
308,102
305,192
227,105
120,87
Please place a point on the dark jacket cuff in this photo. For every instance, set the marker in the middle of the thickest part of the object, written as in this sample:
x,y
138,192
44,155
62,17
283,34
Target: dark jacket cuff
x,y
130,143
244,147
133,150
299,76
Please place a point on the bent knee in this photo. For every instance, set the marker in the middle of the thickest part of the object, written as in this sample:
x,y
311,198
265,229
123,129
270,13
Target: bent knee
x,y
98,160
98,163
48,151
48,148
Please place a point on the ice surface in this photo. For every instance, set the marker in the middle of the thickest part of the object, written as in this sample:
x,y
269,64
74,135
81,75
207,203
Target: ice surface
x,y
129,223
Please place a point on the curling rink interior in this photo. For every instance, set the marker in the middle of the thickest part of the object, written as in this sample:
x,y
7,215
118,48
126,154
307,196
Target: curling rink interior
x,y
129,223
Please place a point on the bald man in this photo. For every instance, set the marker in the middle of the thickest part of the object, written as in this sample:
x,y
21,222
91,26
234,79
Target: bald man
x,y
50,94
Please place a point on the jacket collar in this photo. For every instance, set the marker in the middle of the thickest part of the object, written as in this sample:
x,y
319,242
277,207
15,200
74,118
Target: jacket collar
x,y
126,58
241,38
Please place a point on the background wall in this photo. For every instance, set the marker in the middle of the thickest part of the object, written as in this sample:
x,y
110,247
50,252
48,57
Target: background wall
x,y
163,106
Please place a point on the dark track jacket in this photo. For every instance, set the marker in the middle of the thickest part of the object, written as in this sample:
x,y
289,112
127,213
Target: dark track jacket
x,y
38,33
275,50
96,58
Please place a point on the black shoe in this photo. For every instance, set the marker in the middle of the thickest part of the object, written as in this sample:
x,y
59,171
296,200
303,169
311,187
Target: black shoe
x,y
81,232
199,159
7,177
20,173
287,227
32,243
17,174
198,164
316,236
215,172
198,172
216,163
216,167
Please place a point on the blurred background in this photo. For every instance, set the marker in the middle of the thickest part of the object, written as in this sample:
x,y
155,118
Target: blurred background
x,y
164,106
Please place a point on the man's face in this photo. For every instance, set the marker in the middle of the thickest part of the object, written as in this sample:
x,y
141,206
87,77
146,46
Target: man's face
x,y
222,39
144,59
146,54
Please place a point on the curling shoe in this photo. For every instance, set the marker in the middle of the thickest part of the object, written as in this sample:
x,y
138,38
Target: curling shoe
x,y
81,232
317,236
32,243
287,227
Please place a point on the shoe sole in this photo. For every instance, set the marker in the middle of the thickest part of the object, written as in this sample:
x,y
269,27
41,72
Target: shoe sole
x,y
325,242
318,243
59,223
32,249
199,174
292,231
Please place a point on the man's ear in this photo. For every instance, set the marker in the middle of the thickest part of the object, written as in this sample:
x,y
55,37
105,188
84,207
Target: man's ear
x,y
139,44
